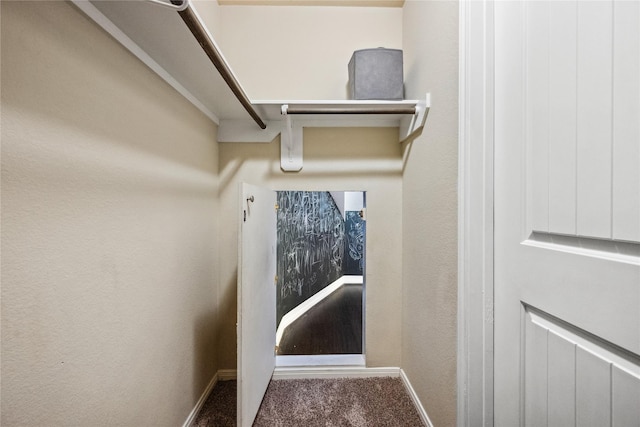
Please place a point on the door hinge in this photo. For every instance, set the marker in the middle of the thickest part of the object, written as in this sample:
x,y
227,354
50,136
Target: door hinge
x,y
277,206
275,350
275,280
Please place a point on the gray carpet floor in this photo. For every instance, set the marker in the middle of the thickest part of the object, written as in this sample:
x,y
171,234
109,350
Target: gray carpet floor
x,y
352,402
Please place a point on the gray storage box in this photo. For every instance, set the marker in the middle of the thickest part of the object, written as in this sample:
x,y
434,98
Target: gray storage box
x,y
376,74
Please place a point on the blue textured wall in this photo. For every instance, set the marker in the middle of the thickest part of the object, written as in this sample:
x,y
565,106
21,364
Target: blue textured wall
x,y
354,228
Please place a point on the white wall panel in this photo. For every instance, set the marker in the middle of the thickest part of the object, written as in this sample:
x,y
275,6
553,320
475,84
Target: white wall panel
x,y
572,378
593,390
582,101
561,381
562,117
537,96
594,119
535,374
626,398
626,121
554,71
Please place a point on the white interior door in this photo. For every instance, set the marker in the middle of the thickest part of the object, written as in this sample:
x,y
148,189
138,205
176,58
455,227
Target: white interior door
x,y
256,299
567,213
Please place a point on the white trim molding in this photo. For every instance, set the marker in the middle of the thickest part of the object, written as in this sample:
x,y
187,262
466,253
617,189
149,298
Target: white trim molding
x,y
475,214
304,372
227,374
221,375
321,360
416,401
200,403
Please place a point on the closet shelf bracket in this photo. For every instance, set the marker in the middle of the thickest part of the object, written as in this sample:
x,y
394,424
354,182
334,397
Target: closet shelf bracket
x,y
411,126
290,143
288,118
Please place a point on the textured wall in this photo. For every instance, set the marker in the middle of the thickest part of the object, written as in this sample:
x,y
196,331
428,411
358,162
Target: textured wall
x,y
429,209
366,159
109,182
293,52
289,52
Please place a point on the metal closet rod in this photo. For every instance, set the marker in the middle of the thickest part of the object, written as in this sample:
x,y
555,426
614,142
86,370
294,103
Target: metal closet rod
x,y
338,110
190,18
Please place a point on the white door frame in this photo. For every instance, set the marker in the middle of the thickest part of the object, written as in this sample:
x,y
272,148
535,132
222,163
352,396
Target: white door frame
x,y
328,360
475,214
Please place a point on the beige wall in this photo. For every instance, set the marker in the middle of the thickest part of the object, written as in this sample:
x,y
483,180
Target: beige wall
x,y
113,191
293,52
289,52
211,14
429,209
109,182
334,159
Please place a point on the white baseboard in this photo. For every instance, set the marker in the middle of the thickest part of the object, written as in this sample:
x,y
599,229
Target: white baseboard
x,y
307,304
203,398
289,373
227,374
416,401
353,360
221,375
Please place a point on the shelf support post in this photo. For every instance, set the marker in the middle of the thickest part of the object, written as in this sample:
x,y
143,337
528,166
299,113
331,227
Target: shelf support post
x,y
290,143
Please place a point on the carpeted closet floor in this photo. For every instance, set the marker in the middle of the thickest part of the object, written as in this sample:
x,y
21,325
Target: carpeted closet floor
x,y
353,402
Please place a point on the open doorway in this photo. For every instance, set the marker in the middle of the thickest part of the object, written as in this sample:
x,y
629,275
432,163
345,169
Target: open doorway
x,y
320,287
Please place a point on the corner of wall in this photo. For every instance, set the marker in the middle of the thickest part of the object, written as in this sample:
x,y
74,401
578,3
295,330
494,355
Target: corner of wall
x,y
429,211
109,186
